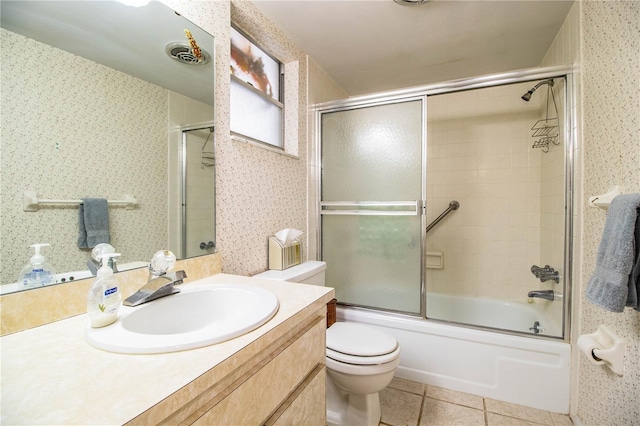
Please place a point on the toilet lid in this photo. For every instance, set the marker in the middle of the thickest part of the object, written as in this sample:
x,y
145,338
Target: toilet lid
x,y
359,340
363,360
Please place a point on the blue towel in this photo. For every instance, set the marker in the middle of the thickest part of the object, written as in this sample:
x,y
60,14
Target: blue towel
x,y
633,298
609,286
93,222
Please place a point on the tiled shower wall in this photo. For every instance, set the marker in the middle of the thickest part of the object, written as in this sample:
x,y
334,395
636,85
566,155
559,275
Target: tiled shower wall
x,y
480,154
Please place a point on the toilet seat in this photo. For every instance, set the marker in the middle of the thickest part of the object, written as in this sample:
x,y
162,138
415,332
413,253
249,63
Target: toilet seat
x,y
360,344
362,360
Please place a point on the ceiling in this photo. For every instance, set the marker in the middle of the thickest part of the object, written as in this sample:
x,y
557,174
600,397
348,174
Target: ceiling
x,y
368,46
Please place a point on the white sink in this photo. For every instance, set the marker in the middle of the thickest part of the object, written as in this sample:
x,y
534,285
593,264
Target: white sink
x,y
200,315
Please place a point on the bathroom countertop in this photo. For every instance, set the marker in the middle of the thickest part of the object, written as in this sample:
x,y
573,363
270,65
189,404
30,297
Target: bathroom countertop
x,y
50,375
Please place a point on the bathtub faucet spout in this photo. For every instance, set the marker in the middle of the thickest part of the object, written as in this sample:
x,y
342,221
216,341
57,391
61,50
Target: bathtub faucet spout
x,y
542,294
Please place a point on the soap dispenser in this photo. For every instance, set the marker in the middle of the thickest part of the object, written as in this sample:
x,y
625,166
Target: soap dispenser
x,y
38,272
104,298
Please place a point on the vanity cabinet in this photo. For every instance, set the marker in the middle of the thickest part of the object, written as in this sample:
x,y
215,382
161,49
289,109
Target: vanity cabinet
x,y
282,384
273,375
262,393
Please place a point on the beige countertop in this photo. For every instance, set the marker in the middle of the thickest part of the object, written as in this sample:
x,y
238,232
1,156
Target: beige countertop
x,y
50,375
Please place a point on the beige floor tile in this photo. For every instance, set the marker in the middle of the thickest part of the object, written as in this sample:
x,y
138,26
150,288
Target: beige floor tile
x,y
561,419
494,419
441,413
518,411
460,398
399,408
407,386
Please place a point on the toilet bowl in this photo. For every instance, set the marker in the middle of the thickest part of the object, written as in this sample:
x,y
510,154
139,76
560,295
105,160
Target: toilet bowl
x,y
361,360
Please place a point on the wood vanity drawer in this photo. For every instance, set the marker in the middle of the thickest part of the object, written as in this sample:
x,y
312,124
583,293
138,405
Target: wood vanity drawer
x,y
253,401
306,405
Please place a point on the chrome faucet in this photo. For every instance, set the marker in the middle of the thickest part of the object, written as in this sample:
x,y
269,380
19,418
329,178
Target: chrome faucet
x,y
159,283
95,262
93,265
542,294
160,286
545,274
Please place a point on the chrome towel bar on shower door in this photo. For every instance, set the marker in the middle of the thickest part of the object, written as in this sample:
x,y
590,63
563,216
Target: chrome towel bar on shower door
x,y
372,208
454,205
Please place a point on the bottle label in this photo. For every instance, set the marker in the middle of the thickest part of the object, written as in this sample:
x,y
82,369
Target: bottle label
x,y
110,291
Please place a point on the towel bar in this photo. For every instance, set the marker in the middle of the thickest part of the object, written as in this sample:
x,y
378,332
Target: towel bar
x,y
604,200
31,202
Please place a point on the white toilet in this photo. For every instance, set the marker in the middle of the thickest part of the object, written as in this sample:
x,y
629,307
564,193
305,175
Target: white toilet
x,y
361,360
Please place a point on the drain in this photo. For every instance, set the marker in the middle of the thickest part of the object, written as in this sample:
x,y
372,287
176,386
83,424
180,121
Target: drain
x,y
536,327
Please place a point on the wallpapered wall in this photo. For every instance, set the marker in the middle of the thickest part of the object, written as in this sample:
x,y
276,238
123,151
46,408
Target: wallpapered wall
x,y
258,191
72,128
603,40
611,129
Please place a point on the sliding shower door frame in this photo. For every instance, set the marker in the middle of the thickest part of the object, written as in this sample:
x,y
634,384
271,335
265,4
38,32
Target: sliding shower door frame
x,y
422,92
418,205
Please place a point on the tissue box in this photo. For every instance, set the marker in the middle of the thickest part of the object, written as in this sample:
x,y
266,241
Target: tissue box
x,y
284,255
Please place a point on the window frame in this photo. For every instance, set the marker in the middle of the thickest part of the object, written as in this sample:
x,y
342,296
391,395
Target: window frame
x,y
264,96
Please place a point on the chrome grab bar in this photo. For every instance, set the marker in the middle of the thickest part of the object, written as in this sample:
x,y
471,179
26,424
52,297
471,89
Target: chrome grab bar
x,y
362,208
454,205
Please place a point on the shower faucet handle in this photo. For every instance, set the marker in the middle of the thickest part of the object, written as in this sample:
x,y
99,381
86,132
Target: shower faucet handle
x,y
545,274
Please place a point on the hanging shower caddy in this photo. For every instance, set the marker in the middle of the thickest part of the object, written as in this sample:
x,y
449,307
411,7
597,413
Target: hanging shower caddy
x,y
546,130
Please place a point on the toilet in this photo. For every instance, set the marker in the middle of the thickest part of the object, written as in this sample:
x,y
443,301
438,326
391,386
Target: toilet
x,y
361,360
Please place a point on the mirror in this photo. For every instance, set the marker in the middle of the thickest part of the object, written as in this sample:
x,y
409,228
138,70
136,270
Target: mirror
x,y
93,105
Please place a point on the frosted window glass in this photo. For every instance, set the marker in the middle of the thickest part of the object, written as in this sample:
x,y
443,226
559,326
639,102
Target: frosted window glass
x,y
255,117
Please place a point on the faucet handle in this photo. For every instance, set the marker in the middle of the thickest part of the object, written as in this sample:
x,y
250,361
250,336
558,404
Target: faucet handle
x,y
161,262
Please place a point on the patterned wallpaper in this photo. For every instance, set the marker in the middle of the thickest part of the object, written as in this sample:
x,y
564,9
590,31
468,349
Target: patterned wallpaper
x,y
72,128
258,191
611,129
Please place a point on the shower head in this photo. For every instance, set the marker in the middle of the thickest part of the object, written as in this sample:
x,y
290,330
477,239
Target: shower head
x,y
527,96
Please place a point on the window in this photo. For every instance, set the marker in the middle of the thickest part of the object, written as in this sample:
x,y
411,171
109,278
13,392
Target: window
x,y
256,92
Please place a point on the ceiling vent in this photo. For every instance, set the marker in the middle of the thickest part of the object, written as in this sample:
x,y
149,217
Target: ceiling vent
x,y
182,53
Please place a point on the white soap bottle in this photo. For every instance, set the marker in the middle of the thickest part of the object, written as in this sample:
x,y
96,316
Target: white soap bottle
x,y
38,272
104,298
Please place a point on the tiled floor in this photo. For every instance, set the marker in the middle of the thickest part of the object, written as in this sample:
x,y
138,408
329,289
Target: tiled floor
x,y
407,403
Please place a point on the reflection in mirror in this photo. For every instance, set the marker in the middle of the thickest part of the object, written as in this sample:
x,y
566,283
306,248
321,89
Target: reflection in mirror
x,y
93,105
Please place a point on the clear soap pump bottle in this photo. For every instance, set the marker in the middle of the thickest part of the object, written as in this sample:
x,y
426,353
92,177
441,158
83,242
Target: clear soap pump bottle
x,y
38,272
104,298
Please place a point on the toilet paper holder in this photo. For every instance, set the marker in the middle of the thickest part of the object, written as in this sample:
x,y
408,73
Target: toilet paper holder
x,y
604,347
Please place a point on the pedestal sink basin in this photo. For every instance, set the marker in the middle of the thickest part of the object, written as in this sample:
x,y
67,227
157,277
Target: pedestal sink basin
x,y
200,315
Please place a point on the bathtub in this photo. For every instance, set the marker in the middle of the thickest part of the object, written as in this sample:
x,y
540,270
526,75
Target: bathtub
x,y
528,371
516,316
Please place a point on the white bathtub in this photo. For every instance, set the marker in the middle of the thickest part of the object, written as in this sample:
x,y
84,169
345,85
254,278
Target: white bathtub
x,y
527,371
515,316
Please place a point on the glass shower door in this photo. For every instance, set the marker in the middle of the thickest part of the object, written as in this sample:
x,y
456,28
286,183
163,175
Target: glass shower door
x,y
198,192
371,204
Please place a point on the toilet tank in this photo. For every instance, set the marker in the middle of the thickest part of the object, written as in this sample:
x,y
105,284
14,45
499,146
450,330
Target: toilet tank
x,y
311,272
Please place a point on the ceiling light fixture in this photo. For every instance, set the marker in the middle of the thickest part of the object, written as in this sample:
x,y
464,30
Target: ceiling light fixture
x,y
410,2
